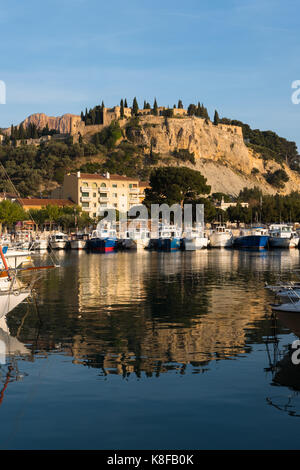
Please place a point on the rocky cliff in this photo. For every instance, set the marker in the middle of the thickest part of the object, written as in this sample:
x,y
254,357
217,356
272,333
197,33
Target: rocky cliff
x,y
220,152
62,124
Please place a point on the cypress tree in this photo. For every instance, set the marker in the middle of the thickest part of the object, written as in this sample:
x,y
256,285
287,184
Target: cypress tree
x,y
155,110
135,107
216,118
122,109
125,103
180,105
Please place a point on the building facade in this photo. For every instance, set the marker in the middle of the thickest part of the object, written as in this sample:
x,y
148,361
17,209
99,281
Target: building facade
x,y
96,192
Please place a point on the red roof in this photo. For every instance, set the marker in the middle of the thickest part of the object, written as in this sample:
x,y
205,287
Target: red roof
x,y
102,177
45,202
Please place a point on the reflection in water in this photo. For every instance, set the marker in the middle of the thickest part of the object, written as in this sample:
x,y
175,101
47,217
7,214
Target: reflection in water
x,y
11,349
284,372
154,312
172,344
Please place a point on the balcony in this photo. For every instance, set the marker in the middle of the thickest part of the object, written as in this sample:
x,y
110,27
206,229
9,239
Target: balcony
x,y
86,209
103,199
103,190
134,190
85,190
85,199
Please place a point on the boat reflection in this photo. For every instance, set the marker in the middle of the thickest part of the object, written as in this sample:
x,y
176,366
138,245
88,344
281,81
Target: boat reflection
x,y
285,372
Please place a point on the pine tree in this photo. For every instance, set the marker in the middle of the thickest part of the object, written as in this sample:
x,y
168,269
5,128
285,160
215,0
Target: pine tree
x,y
135,107
216,118
155,110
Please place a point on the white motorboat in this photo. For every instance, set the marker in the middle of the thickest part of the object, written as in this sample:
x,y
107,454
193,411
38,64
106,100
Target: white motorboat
x,y
39,244
195,239
220,237
58,241
137,238
283,236
79,241
287,307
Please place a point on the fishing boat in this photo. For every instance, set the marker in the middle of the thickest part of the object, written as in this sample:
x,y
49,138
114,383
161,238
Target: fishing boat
x,y
103,239
79,241
137,237
253,238
169,238
220,237
58,241
194,239
283,236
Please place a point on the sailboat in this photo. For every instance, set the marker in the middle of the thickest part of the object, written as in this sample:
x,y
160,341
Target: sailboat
x,y
12,290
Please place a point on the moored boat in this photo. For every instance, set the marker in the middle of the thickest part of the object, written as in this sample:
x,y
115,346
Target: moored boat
x,y
58,241
194,239
220,237
283,236
169,238
253,238
103,239
79,241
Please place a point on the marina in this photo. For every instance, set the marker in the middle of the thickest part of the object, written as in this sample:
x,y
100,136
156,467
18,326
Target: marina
x,y
186,337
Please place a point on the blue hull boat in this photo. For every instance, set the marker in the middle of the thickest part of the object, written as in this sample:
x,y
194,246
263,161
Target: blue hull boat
x,y
103,245
256,242
169,244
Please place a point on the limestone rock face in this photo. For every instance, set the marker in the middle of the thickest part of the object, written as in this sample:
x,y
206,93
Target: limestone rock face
x,y
62,124
219,143
220,152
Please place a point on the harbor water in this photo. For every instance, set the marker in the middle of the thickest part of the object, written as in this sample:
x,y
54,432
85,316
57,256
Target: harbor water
x,y
152,350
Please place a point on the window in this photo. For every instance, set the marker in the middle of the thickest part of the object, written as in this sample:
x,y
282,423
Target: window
x,y
94,194
103,185
115,205
85,194
85,204
94,214
94,185
103,195
115,194
114,185
85,185
95,205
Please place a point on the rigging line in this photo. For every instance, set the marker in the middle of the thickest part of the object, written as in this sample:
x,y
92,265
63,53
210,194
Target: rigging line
x,y
53,257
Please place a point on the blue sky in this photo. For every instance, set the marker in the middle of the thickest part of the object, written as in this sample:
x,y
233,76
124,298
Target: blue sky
x,y
237,56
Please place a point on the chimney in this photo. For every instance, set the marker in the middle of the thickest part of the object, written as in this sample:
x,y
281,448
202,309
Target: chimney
x,y
78,174
107,175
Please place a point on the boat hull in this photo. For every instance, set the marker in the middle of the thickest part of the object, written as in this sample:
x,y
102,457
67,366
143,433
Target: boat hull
x,y
78,244
252,242
9,301
169,244
221,240
288,307
58,245
99,245
196,243
278,242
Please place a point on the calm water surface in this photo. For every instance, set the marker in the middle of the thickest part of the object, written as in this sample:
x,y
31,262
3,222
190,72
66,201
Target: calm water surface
x,y
154,351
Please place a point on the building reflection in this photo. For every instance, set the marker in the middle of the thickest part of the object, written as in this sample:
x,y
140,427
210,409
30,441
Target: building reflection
x,y
155,312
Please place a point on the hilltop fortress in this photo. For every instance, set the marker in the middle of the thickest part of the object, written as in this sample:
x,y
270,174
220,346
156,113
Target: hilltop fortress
x,y
220,151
